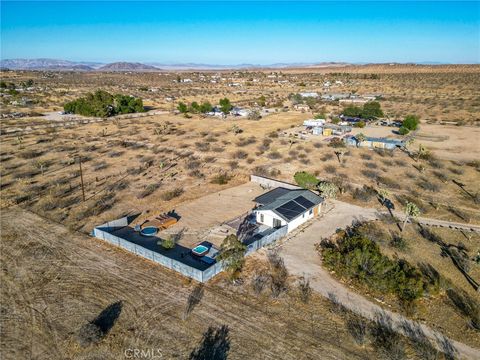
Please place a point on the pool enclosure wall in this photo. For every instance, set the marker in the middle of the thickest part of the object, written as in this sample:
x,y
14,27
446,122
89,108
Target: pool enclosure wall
x,y
103,232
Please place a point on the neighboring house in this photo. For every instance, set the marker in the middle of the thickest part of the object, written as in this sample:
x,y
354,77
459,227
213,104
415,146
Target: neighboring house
x,y
237,111
375,143
301,107
354,101
309,94
333,97
314,122
287,207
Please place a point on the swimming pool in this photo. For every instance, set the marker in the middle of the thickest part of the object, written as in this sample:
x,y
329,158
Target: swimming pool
x,y
200,250
149,231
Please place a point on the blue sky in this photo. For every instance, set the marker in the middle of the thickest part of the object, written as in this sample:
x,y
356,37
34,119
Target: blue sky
x,y
246,32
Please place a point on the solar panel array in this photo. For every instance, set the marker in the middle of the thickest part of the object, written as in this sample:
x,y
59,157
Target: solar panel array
x,y
295,207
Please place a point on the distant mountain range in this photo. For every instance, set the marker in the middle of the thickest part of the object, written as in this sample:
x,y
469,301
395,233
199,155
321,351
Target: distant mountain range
x,y
65,65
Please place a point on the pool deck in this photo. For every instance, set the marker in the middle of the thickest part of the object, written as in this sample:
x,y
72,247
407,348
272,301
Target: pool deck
x,y
179,252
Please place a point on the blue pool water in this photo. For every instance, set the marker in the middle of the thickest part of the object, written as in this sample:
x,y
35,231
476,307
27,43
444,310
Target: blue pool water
x,y
149,231
200,250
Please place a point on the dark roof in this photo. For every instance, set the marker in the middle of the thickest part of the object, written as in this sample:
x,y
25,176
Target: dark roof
x,y
271,196
289,203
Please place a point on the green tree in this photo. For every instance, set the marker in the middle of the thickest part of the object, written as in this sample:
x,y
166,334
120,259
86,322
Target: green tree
x,y
182,107
206,107
305,180
194,107
403,130
371,110
352,110
225,105
411,122
232,253
360,124
411,211
262,101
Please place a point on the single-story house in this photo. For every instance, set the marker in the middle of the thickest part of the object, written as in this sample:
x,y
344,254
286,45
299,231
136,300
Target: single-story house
x,y
333,97
314,122
287,207
301,107
237,111
309,94
375,143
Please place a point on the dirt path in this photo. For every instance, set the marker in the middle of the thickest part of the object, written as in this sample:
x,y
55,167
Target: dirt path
x,y
301,259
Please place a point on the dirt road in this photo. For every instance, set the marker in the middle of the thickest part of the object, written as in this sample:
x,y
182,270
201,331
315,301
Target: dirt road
x,y
298,251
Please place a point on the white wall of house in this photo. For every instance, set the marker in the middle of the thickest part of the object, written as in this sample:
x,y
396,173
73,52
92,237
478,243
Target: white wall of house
x,y
266,217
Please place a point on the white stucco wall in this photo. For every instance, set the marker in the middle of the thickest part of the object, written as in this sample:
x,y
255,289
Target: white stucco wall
x,y
269,215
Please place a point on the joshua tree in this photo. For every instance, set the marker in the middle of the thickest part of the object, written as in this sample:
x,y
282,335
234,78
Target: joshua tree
x,y
411,211
360,138
383,194
340,153
422,152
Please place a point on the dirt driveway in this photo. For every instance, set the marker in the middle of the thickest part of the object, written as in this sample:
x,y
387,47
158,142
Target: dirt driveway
x,y
298,252
201,218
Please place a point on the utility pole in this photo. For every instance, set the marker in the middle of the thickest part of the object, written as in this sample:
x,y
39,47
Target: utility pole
x,y
81,176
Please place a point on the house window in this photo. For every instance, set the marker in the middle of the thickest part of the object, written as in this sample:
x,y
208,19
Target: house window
x,y
262,218
311,211
277,223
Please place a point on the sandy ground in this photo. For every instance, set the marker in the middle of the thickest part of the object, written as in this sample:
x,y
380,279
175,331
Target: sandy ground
x,y
202,217
55,281
301,258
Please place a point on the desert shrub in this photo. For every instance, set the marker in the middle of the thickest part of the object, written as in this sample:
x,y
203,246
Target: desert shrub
x,y
304,289
100,165
209,159
387,162
217,149
336,305
422,346
278,274
330,169
365,156
440,175
432,279
149,189
305,180
385,339
373,231
202,146
357,257
357,327
193,164
435,163
221,179
318,145
366,193
30,154
246,141
240,154
233,164
389,182
293,153
171,194
274,155
327,156
259,282
369,174
371,165
466,305
457,170
196,173
425,184
398,242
